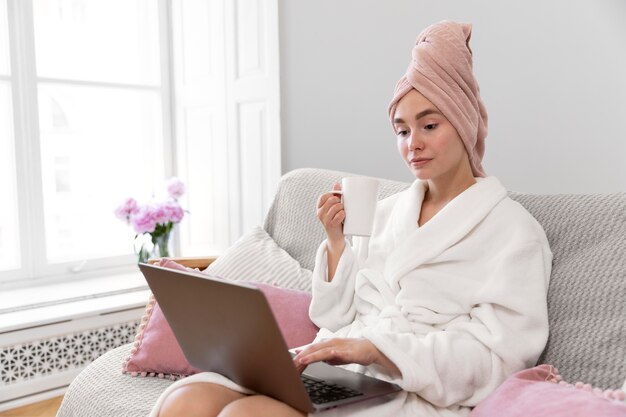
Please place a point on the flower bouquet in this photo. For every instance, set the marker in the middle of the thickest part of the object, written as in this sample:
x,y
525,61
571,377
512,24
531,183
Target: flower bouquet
x,y
153,222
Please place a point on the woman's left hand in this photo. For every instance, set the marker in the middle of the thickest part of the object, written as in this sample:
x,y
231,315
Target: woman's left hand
x,y
343,351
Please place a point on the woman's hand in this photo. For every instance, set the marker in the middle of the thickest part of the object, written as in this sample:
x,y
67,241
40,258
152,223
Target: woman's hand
x,y
343,351
331,214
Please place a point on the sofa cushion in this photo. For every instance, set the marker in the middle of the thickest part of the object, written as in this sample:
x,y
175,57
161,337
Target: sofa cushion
x,y
157,353
586,307
540,392
256,257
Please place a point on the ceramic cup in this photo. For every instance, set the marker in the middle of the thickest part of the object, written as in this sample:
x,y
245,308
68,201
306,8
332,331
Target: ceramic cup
x,y
359,196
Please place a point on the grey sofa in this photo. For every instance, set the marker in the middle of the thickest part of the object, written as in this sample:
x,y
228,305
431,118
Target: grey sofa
x,y
587,295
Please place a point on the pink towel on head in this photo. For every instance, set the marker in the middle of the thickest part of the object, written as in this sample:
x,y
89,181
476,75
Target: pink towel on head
x,y
441,70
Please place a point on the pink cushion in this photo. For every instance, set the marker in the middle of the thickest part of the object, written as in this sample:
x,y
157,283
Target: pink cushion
x,y
540,392
157,353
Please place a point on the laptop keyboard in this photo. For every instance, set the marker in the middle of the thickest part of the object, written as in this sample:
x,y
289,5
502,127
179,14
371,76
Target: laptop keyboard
x,y
322,392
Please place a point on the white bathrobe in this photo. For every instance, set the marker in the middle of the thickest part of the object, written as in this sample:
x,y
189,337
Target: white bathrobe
x,y
458,304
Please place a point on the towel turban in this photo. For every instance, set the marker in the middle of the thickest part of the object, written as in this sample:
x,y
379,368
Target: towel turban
x,y
441,70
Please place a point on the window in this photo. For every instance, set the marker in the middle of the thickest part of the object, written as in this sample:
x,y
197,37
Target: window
x,y
89,110
99,96
9,234
102,100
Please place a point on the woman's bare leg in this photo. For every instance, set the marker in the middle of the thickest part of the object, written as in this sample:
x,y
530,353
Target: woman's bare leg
x,y
259,406
201,399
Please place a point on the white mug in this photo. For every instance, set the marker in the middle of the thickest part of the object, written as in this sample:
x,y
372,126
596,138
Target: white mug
x,y
359,197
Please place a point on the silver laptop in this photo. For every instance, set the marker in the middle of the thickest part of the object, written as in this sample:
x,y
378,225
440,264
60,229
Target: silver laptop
x,y
228,328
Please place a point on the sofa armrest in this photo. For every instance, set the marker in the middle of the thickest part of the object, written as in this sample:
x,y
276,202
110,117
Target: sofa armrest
x,y
201,262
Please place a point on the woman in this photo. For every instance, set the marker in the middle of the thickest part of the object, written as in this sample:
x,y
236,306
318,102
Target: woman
x,y
448,296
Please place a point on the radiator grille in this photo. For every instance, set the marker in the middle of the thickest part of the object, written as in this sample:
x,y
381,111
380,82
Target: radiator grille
x,y
25,361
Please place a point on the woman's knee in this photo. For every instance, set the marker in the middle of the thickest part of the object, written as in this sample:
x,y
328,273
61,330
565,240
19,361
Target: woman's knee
x,y
198,400
259,406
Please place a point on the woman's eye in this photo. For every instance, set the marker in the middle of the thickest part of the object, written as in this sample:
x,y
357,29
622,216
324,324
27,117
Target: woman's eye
x,y
401,132
430,126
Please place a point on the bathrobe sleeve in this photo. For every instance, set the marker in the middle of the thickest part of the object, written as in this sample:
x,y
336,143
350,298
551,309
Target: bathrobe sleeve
x,y
332,304
505,331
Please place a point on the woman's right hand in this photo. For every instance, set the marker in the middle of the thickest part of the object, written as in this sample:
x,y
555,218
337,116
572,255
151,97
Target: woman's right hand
x,y
330,212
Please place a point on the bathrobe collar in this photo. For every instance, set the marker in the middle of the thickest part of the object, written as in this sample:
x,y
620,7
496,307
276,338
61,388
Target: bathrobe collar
x,y
417,245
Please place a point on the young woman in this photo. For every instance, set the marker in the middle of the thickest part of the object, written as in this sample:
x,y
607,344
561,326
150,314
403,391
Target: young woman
x,y
448,296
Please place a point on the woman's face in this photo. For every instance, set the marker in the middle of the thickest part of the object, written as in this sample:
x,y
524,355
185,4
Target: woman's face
x,y
427,141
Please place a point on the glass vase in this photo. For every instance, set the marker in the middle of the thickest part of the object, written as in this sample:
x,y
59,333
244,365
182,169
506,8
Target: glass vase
x,y
152,247
161,248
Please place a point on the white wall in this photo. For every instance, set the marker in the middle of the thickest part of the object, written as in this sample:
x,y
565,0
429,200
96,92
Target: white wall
x,y
552,75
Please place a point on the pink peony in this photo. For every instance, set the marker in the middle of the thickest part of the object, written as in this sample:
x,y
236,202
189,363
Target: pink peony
x,y
161,213
175,188
174,210
126,209
144,220
155,219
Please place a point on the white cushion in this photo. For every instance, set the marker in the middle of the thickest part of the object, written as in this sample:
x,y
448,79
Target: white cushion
x,y
256,257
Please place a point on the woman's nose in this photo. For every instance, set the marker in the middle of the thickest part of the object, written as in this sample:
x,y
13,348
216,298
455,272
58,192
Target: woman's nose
x,y
415,143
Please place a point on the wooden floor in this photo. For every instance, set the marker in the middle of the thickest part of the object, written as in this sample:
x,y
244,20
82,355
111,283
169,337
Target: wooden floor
x,y
46,408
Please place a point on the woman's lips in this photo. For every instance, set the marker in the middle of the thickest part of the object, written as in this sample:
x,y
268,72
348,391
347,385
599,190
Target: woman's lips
x,y
418,163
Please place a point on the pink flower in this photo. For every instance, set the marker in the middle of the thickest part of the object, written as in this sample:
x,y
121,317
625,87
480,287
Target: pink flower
x,y
154,220
175,188
161,213
126,209
144,220
174,210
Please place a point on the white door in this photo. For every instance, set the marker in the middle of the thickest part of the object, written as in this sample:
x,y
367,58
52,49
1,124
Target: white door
x,y
227,107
